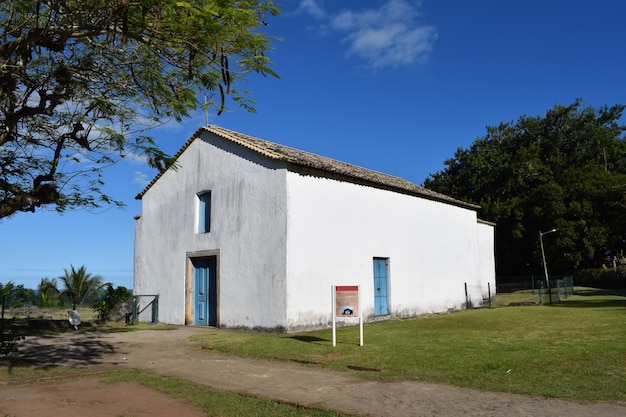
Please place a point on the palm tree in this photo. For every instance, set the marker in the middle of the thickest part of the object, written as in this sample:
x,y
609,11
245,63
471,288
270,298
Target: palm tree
x,y
81,288
48,292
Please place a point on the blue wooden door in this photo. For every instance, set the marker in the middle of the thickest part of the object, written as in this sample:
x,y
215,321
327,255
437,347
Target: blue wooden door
x,y
205,295
381,300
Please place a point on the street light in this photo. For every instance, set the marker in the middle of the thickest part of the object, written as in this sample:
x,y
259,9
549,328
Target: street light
x,y
545,266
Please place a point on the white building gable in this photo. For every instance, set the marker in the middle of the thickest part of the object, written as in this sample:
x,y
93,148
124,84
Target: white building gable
x,y
285,225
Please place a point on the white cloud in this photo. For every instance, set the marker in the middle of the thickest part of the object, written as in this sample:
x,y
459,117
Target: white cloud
x,y
135,158
387,37
141,179
311,7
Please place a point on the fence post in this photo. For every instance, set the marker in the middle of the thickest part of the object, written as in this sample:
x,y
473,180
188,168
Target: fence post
x,y
489,293
532,283
135,309
570,283
155,310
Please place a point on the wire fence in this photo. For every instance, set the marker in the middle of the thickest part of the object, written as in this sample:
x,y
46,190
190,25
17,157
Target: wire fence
x,y
564,288
525,291
518,283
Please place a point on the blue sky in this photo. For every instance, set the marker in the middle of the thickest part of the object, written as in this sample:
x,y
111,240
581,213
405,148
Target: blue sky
x,y
391,85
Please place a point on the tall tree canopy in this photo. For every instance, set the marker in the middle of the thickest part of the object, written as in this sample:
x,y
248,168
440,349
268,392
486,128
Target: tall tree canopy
x,y
565,170
81,80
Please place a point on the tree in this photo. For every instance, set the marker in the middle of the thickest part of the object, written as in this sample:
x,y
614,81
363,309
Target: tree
x,y
109,299
81,287
47,293
15,296
82,80
565,170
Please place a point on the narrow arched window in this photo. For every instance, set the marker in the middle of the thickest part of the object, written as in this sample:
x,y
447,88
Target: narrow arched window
x,y
204,212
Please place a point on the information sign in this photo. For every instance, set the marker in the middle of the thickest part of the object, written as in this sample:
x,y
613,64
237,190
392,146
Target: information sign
x,y
345,302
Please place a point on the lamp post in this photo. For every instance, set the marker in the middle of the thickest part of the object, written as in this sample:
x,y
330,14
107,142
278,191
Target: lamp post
x,y
543,256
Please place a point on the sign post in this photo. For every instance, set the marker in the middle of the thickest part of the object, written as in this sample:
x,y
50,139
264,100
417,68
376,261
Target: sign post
x,y
345,303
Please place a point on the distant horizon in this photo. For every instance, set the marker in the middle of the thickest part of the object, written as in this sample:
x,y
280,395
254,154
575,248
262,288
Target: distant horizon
x,y
33,283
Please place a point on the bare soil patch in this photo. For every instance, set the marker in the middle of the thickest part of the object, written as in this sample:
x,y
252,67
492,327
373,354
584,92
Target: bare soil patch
x,y
90,397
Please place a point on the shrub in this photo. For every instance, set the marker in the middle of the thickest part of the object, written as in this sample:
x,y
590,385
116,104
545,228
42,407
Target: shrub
x,y
111,298
601,278
9,342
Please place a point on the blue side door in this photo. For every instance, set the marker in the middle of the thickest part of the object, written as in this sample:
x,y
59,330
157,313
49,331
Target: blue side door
x,y
205,295
381,299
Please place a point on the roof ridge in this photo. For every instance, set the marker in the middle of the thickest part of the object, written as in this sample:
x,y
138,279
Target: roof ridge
x,y
317,162
235,137
304,158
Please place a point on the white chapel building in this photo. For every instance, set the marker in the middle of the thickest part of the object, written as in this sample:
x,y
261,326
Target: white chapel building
x,y
249,234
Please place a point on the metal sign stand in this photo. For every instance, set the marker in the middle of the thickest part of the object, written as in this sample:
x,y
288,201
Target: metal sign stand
x,y
346,300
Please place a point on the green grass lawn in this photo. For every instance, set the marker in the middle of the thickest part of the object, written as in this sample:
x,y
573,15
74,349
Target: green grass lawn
x,y
572,350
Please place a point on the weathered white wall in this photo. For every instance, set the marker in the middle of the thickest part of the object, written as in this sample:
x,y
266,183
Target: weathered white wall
x,y
486,258
247,227
284,238
335,230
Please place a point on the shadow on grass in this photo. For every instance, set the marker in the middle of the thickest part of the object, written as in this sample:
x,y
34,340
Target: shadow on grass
x,y
600,291
590,303
598,300
39,327
308,339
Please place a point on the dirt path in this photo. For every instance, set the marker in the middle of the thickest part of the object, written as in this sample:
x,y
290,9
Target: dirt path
x,y
170,353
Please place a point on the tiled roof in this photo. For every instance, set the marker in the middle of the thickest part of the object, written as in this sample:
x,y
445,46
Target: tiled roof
x,y
323,165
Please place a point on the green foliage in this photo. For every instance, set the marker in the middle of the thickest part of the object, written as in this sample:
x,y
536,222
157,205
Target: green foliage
x,y
565,170
109,299
82,81
47,293
601,278
16,295
9,342
81,287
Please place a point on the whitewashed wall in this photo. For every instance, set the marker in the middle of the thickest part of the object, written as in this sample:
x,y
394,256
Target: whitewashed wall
x,y
487,259
336,229
285,238
247,227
